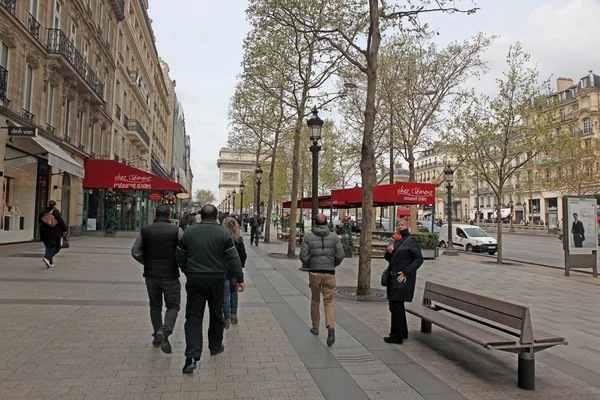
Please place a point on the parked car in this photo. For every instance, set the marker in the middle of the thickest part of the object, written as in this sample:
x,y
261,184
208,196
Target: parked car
x,y
469,238
425,227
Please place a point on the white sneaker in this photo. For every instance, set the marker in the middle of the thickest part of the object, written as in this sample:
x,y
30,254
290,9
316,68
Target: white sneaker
x,y
47,262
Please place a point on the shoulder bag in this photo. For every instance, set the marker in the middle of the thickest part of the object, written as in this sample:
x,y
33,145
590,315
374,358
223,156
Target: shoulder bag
x,y
49,219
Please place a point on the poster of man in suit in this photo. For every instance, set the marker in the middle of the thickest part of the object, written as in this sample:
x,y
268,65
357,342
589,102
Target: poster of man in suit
x,y
582,222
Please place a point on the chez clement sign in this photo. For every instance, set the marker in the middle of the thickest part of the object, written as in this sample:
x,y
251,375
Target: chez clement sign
x,y
109,174
397,193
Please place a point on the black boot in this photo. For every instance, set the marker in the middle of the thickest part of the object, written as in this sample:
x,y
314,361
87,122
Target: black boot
x,y
189,366
393,339
165,346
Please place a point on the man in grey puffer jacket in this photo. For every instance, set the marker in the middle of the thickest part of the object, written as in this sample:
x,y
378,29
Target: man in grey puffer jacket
x,y
321,252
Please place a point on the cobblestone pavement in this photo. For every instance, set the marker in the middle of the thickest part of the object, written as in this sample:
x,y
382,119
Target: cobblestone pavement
x,y
82,331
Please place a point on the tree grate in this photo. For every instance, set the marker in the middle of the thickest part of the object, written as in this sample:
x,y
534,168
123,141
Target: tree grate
x,y
348,293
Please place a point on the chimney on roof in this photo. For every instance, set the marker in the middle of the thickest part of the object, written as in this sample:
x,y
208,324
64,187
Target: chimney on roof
x,y
563,84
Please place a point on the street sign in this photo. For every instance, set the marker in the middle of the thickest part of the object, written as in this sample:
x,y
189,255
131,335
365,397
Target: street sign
x,y
22,131
446,201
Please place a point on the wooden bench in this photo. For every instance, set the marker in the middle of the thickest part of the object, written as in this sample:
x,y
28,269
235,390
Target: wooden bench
x,y
501,325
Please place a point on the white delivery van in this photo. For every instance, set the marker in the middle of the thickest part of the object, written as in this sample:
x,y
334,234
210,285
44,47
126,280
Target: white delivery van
x,y
469,238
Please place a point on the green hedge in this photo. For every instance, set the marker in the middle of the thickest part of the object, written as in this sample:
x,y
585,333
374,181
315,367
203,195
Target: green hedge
x,y
426,240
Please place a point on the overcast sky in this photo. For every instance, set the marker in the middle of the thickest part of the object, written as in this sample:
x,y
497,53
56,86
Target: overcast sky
x,y
201,40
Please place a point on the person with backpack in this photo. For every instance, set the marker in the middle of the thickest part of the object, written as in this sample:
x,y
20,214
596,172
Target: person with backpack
x,y
52,228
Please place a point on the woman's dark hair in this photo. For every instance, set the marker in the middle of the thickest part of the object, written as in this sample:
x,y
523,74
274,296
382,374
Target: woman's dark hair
x,y
163,210
51,204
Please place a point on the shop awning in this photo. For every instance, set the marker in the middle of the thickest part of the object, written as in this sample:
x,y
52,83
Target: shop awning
x,y
108,174
58,158
386,195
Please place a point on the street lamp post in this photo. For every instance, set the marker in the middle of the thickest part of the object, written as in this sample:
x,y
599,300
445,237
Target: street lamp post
x,y
449,173
315,124
242,187
259,173
228,201
512,229
233,193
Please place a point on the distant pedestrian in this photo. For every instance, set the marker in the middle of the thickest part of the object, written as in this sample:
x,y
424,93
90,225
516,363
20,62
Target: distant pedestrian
x,y
185,220
404,257
230,303
155,248
205,254
246,223
52,228
255,228
322,252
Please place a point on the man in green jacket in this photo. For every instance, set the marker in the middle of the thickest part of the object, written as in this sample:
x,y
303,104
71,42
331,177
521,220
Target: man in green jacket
x,y
205,254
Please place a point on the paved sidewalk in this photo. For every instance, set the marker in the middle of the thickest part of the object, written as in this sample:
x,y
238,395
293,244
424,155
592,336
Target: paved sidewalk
x,y
82,331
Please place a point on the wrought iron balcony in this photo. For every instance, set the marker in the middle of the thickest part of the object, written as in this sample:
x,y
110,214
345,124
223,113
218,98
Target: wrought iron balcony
x,y
67,138
59,43
126,121
92,155
3,84
50,129
89,12
10,5
134,125
100,31
116,157
121,58
118,112
33,26
118,7
27,115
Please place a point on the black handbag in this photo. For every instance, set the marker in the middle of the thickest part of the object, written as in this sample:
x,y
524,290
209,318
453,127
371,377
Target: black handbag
x,y
64,242
385,277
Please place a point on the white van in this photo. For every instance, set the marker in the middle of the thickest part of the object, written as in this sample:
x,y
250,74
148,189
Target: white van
x,y
469,238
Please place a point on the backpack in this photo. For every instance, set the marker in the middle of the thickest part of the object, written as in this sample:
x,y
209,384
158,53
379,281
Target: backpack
x,y
49,219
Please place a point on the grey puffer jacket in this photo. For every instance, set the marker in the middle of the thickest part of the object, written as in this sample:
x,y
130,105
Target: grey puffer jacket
x,y
321,250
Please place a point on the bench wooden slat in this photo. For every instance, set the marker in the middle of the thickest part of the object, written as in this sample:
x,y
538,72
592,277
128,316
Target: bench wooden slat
x,y
500,306
458,327
545,337
474,309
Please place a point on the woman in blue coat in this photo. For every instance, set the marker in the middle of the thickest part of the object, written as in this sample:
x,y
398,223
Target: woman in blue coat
x,y
404,258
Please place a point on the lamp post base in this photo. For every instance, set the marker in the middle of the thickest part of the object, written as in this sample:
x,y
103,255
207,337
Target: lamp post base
x,y
450,251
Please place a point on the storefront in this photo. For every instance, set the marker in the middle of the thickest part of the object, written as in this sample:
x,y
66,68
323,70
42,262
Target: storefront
x,y
118,197
27,163
552,213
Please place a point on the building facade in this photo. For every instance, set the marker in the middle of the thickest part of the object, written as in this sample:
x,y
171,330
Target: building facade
x,y
80,82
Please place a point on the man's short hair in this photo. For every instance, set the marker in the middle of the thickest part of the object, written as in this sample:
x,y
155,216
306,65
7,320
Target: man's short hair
x,y
163,210
321,219
209,212
575,215
51,204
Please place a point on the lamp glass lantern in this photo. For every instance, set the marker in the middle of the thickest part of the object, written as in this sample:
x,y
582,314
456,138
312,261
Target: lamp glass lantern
x,y
259,173
315,125
242,187
233,193
449,173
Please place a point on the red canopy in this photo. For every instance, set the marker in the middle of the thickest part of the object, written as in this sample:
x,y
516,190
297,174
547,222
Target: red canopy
x,y
306,203
386,195
108,174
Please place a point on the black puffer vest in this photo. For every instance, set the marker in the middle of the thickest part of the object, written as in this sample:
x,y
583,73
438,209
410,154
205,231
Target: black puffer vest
x,y
160,243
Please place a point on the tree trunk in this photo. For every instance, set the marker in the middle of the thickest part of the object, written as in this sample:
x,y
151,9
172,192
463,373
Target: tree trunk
x,y
271,184
499,228
367,161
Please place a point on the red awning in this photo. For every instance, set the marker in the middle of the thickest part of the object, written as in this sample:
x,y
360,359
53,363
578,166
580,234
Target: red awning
x,y
386,195
306,202
108,174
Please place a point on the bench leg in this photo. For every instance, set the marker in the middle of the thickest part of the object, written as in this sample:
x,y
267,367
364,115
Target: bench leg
x,y
425,326
527,370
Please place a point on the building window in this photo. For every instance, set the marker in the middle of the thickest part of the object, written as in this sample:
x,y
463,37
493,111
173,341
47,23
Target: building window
x,y
73,34
80,128
587,126
50,104
4,56
100,9
67,117
572,131
28,87
56,19
563,114
587,143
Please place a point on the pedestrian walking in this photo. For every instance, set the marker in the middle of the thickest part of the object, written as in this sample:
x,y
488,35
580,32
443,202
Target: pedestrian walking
x,y
230,302
255,227
205,254
321,253
185,220
52,228
155,248
405,258
246,224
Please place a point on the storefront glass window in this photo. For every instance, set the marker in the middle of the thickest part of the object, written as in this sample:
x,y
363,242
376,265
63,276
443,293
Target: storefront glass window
x,y
17,199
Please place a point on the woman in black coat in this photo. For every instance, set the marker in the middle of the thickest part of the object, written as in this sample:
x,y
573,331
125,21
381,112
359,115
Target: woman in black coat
x,y
51,235
404,258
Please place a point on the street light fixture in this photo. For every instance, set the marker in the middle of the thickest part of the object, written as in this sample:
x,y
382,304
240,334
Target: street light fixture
x,y
512,229
259,173
233,193
449,174
228,201
315,125
242,187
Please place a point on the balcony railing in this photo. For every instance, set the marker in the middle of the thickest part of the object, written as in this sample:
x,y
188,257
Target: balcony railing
x,y
10,5
118,7
50,129
27,115
100,31
118,112
3,84
126,121
116,157
67,138
59,43
89,12
121,59
134,125
33,26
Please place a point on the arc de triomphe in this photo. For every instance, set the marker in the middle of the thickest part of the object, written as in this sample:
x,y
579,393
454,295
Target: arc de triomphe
x,y
233,167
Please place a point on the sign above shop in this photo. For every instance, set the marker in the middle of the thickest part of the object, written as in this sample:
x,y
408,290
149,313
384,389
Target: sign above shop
x,y
155,196
22,131
183,196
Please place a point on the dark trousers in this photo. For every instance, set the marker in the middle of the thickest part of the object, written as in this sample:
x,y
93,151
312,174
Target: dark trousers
x,y
201,291
399,327
254,236
170,289
52,249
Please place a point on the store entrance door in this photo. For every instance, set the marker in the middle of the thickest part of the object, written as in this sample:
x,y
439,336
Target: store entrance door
x,y
66,198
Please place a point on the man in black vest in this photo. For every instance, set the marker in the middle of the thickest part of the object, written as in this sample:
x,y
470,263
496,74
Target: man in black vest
x,y
155,248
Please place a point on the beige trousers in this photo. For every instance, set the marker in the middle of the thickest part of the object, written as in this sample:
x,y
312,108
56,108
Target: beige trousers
x,y
321,283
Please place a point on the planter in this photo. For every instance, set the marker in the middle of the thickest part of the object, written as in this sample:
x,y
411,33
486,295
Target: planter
x,y
430,254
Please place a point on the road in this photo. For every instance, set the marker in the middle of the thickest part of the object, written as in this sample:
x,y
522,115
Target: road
x,y
530,248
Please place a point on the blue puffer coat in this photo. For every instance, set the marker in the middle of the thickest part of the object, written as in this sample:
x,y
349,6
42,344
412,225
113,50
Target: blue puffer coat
x,y
406,258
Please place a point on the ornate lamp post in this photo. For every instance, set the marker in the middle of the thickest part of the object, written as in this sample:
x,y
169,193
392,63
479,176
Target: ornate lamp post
x,y
228,201
512,208
449,173
242,187
259,173
233,193
315,124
